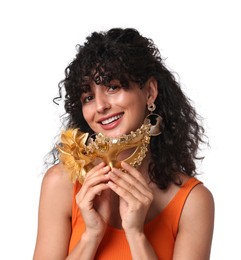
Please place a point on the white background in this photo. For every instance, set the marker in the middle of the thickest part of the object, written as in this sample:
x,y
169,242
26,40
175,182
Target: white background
x,y
201,41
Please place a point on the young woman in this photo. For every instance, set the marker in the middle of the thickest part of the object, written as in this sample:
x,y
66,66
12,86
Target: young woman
x,y
123,185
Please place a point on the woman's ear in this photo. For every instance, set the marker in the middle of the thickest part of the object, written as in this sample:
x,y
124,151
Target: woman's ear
x,y
152,90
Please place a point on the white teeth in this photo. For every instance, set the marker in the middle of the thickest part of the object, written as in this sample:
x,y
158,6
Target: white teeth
x,y
110,120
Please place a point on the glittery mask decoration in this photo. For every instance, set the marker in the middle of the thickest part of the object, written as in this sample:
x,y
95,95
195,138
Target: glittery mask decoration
x,y
78,153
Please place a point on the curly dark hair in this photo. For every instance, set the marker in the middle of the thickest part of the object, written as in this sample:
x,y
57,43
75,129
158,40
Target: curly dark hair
x,y
125,55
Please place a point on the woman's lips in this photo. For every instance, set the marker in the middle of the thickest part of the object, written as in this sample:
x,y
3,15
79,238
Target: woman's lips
x,y
111,122
111,119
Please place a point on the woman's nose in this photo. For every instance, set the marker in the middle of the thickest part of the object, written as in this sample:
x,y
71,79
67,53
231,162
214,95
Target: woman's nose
x,y
101,101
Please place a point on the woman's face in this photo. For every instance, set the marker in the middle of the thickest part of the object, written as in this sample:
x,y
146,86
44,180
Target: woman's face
x,y
113,110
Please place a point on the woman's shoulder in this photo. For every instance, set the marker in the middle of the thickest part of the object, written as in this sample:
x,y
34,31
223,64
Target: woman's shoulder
x,y
196,223
57,179
56,173
203,196
199,192
199,203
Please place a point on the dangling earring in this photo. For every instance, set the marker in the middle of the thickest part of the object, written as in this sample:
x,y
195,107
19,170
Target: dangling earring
x,y
155,120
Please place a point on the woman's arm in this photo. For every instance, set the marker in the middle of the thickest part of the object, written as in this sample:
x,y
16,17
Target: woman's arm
x,y
196,225
55,210
54,219
135,200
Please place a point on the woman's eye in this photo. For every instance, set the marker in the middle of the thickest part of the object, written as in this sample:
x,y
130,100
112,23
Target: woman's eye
x,y
86,99
113,87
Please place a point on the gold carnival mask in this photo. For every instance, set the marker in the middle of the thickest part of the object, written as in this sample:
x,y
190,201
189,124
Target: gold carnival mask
x,y
78,153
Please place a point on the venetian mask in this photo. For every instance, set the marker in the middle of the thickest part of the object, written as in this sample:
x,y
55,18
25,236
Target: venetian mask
x,y
79,153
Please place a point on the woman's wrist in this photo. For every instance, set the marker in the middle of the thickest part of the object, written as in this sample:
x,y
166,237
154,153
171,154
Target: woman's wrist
x,y
140,246
135,235
86,248
93,236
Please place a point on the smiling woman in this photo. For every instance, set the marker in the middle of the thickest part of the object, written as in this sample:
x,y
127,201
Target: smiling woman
x,y
120,99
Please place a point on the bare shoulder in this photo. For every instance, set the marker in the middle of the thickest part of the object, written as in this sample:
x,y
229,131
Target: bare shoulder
x,y
56,177
199,208
200,196
196,225
57,185
55,209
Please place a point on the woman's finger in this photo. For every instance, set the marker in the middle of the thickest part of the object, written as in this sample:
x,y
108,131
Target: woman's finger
x,y
129,189
95,176
130,183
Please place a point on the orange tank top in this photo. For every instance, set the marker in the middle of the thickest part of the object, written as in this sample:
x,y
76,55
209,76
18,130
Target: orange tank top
x,y
161,232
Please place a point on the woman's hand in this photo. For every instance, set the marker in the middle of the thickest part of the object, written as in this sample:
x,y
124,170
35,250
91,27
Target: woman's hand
x,y
135,197
93,200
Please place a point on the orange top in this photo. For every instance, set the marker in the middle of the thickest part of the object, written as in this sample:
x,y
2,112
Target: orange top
x,y
161,231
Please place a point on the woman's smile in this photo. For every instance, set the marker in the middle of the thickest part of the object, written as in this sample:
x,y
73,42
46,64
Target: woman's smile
x,y
111,122
111,119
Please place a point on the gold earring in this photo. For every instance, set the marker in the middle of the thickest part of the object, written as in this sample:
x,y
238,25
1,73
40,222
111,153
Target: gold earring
x,y
154,119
